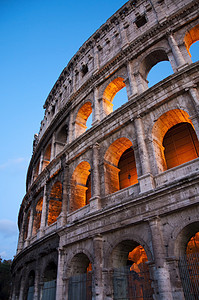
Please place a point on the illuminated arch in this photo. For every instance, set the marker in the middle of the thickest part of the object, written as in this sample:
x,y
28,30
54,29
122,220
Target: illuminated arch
x,y
161,127
26,225
55,203
37,216
111,90
114,163
191,37
47,156
79,186
180,145
82,116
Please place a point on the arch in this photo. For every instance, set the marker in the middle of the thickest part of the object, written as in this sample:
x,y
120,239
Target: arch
x,y
37,215
26,225
47,156
80,278
61,139
183,236
82,116
131,273
191,37
114,162
80,183
36,170
49,281
161,126
150,60
109,93
187,250
55,202
29,292
180,145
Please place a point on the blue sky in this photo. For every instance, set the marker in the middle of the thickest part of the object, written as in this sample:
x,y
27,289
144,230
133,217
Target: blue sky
x,y
37,40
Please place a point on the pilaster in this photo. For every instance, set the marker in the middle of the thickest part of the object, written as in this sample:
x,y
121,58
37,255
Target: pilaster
x,y
161,272
98,259
180,62
95,180
146,179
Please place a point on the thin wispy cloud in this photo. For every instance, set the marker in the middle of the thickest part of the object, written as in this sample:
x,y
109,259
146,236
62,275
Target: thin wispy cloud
x,y
8,228
13,162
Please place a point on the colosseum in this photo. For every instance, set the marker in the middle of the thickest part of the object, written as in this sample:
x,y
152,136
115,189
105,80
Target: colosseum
x,y
111,210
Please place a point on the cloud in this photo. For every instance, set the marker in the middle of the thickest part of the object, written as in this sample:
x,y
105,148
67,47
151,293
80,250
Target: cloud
x,y
8,228
12,162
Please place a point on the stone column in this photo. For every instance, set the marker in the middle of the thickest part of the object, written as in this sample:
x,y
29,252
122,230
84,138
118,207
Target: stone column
x,y
146,179
60,275
52,154
30,224
65,195
193,92
141,86
175,50
41,161
98,259
44,212
36,284
21,235
95,180
96,114
22,287
161,269
131,87
71,128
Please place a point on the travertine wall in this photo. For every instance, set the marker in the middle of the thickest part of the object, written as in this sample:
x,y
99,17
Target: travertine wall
x,y
158,212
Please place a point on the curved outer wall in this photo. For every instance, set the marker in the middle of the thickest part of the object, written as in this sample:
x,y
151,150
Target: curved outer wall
x,y
160,211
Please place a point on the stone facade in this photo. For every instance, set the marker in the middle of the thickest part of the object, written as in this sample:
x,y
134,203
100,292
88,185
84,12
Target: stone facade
x,y
75,218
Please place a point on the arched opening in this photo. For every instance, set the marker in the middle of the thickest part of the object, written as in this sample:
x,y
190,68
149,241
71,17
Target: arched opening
x,y
159,72
61,139
119,165
55,203
30,286
116,90
80,186
37,216
188,243
160,128
192,38
128,173
81,123
36,170
26,226
49,282
80,281
131,279
180,145
47,156
155,67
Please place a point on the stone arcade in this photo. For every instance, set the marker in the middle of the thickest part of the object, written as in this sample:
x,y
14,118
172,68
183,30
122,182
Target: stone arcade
x,y
112,211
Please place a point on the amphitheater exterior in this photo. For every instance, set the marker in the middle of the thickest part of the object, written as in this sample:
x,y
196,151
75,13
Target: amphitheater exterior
x,y
112,211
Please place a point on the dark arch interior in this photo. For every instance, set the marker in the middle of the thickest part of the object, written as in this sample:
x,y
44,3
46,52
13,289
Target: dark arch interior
x,y
127,166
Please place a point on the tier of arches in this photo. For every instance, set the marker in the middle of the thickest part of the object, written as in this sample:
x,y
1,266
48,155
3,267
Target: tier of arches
x,y
128,264
130,81
174,143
